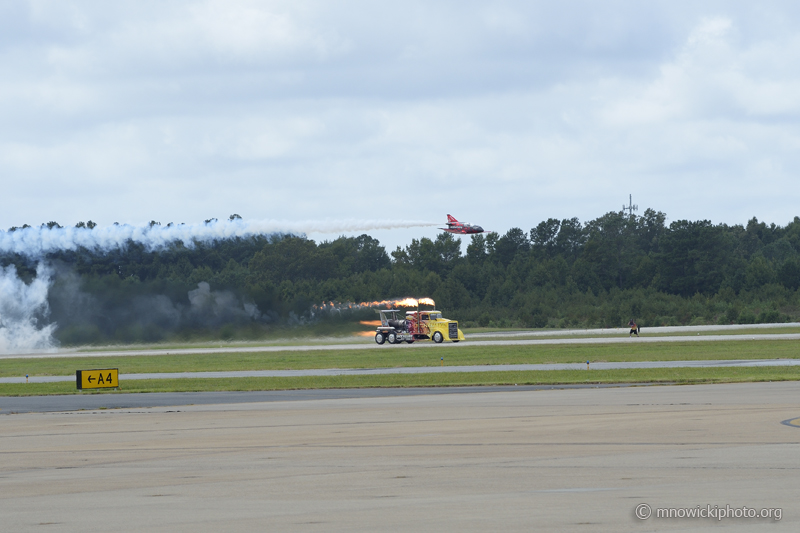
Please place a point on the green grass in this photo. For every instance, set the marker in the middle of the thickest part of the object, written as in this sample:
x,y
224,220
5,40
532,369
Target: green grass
x,y
407,356
426,355
658,375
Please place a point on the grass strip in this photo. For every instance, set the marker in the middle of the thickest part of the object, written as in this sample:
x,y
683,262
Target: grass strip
x,y
410,356
655,375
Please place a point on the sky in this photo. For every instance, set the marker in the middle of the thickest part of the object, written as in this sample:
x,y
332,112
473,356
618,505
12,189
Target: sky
x,y
501,113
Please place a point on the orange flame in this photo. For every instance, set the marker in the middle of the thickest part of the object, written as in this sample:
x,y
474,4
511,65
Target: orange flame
x,y
364,333
413,302
389,304
375,323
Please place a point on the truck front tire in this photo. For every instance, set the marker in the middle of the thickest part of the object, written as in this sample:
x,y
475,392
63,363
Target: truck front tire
x,y
379,338
437,337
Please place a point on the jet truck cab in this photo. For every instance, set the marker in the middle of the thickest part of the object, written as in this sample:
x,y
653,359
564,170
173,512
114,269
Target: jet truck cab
x,y
397,327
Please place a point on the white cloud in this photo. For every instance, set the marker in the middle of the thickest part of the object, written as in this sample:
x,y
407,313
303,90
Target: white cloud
x,y
714,77
508,113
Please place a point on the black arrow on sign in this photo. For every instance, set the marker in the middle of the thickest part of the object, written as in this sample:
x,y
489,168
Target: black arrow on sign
x,y
90,379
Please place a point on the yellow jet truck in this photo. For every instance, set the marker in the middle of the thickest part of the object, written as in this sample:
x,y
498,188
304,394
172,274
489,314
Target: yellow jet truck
x,y
416,325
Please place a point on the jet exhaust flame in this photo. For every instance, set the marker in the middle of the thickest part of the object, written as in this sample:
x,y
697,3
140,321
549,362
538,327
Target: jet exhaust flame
x,y
390,304
411,302
386,304
36,242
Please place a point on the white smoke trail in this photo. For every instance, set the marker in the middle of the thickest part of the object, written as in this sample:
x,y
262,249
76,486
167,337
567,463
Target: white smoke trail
x,y
35,242
20,305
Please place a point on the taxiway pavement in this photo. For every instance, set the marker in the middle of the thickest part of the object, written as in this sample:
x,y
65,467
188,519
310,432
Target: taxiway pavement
x,y
580,459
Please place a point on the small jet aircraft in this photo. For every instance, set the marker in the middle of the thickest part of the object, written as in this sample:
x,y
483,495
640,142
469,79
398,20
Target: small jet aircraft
x,y
462,228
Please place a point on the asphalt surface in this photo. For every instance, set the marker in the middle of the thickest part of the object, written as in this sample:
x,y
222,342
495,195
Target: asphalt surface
x,y
105,400
576,459
661,330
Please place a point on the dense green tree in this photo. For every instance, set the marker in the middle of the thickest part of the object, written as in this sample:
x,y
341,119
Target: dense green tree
x,y
510,245
544,237
788,274
563,273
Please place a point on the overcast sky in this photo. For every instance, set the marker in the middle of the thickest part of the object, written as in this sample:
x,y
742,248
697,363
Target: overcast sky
x,y
501,113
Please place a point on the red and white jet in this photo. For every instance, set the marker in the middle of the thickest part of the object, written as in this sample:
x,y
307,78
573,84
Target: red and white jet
x,y
462,228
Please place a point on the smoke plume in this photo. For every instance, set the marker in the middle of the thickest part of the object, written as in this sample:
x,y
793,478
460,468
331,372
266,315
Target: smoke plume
x,y
23,308
55,292
36,242
216,307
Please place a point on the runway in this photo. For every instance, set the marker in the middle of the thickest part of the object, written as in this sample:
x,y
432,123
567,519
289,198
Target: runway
x,y
576,459
657,331
596,336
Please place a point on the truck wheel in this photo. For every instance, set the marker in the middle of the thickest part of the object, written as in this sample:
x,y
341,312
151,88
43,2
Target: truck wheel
x,y
410,342
379,338
392,338
437,337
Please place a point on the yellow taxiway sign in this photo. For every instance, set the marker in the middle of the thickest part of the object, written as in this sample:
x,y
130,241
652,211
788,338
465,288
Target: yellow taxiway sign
x,y
106,378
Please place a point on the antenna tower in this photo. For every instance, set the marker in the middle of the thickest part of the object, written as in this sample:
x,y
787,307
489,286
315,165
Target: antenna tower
x,y
630,208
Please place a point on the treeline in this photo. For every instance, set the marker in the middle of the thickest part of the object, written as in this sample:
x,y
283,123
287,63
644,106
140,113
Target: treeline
x,y
560,273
